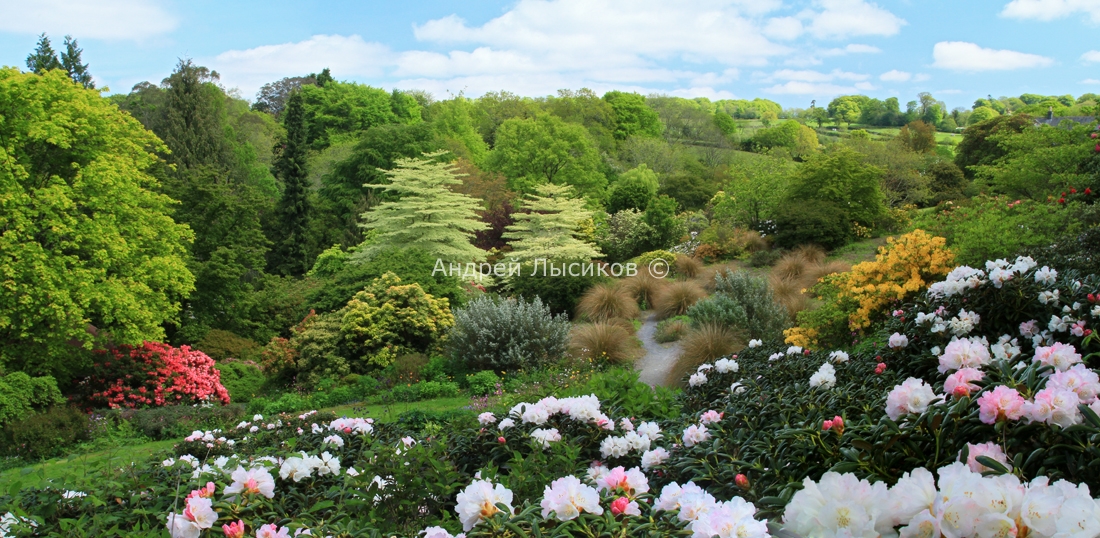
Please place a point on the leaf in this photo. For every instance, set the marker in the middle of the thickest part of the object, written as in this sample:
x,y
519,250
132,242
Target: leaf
x,y
996,466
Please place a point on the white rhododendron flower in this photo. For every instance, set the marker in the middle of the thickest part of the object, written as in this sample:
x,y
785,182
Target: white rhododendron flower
x,y
637,442
912,396
567,497
328,464
479,500
650,430
632,482
252,481
737,388
335,440
964,353
695,434
545,437
731,519
197,515
1046,276
439,532
724,366
794,350
486,418
697,379
838,357
653,458
296,469
614,447
825,377
838,505
755,343
1061,356
898,340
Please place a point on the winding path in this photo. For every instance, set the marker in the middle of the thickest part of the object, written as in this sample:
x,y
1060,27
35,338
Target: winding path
x,y
659,358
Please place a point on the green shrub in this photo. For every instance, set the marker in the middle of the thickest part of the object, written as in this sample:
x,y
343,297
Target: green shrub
x,y
21,395
560,295
221,345
287,403
718,309
619,389
430,390
642,261
243,380
482,383
413,266
367,386
672,329
437,369
406,393
765,318
175,421
624,235
45,434
819,223
503,334
333,397
765,258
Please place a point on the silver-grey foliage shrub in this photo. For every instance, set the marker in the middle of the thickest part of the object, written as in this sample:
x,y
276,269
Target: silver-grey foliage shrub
x,y
765,317
494,333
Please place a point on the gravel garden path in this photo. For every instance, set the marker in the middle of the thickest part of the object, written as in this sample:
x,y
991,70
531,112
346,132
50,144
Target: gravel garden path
x,y
659,358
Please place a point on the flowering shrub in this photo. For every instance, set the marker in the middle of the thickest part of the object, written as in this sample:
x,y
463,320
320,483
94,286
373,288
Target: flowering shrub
x,y
903,267
152,375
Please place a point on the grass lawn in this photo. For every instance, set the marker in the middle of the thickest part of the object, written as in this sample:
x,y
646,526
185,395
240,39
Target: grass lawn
x,y
863,250
71,469
941,138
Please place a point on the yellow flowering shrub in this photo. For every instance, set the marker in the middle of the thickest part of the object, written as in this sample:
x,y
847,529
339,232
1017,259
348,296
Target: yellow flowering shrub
x,y
388,319
904,266
849,301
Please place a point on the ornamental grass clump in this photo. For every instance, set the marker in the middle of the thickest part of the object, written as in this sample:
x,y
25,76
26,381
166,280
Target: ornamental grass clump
x,y
704,343
687,266
608,342
604,302
675,298
644,287
496,333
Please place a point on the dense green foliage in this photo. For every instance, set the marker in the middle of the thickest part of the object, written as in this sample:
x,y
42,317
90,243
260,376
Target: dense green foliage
x,y
494,333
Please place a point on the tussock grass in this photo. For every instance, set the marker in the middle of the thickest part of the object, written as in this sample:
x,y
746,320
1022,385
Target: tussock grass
x,y
603,302
706,343
797,271
671,330
643,287
688,267
609,342
676,297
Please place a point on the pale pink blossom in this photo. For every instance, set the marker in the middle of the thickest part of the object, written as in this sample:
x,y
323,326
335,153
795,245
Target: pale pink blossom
x,y
959,383
1060,356
913,396
999,404
710,417
964,353
991,450
694,434
632,482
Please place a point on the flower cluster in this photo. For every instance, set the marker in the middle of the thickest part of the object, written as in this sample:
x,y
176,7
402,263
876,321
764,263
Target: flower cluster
x,y
962,503
153,375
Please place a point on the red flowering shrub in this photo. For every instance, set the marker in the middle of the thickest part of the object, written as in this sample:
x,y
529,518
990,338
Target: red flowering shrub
x,y
153,375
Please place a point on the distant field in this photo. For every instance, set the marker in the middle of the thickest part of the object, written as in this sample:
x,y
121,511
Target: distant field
x,y
941,138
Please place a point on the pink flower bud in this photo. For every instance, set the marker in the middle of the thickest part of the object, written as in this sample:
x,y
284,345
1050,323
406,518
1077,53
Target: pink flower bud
x,y
501,439
827,425
881,367
742,481
234,530
618,506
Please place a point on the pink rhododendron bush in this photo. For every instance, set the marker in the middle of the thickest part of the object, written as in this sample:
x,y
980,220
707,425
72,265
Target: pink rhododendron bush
x,y
152,375
973,412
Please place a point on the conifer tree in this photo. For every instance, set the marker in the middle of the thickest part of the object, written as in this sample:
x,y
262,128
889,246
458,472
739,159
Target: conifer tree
x,y
70,61
44,57
549,227
427,214
291,247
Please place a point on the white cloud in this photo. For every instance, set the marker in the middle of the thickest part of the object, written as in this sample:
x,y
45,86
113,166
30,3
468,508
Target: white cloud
x,y
1092,56
845,18
807,75
1090,81
921,77
1048,10
963,56
894,75
785,28
90,19
796,87
346,56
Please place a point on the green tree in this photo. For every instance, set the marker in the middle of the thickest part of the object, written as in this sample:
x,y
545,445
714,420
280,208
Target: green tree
x,y
842,178
272,97
291,253
549,226
632,116
982,113
337,108
223,190
754,190
979,145
845,109
796,138
88,250
660,215
819,115
70,61
918,136
633,190
1039,162
531,152
44,58
427,214
454,120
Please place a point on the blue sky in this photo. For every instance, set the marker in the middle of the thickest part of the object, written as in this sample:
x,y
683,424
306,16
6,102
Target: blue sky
x,y
785,50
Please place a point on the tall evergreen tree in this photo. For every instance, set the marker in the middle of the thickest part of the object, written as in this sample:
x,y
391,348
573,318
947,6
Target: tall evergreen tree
x,y
290,255
70,61
428,215
44,57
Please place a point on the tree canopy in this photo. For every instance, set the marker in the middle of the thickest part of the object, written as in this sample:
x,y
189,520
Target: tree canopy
x,y
88,250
